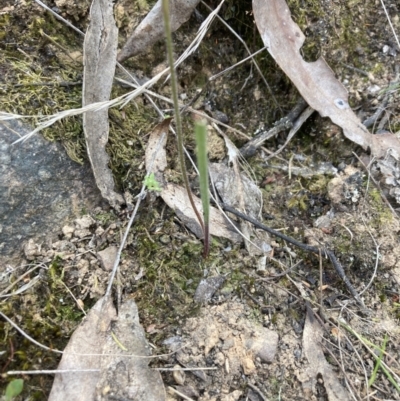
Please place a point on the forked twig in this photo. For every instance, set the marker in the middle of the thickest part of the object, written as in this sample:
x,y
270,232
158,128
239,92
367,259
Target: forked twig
x,y
287,122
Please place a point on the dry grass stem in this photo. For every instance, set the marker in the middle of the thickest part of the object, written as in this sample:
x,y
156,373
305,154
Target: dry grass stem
x,y
48,372
185,397
232,67
3,294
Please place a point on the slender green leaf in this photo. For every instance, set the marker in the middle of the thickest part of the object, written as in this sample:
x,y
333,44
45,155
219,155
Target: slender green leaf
x,y
202,162
367,343
378,363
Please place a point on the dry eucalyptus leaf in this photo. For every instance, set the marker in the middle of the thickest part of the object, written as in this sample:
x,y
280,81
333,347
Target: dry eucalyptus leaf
x,y
238,191
318,366
315,81
124,376
176,197
100,51
156,150
151,29
88,338
117,346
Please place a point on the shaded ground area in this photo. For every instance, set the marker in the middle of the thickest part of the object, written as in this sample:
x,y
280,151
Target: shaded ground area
x,y
162,265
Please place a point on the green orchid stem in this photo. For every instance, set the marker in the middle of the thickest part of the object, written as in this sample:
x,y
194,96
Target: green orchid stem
x,y
202,162
174,88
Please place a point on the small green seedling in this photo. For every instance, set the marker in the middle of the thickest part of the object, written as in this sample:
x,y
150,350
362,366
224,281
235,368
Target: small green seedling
x,y
151,183
14,388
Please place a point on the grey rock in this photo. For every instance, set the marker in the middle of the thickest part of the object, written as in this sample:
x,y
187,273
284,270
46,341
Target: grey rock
x,y
107,257
40,189
263,343
207,288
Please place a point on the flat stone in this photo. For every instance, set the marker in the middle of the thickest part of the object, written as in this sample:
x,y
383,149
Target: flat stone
x,y
263,343
207,288
107,257
41,189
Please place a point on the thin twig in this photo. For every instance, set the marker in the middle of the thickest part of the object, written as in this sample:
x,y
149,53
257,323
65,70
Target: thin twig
x,y
321,322
56,84
355,350
185,397
349,387
50,372
296,126
18,280
59,17
350,67
140,197
376,260
390,23
119,65
55,43
320,278
282,125
73,297
247,292
380,109
253,387
287,271
248,51
27,336
390,374
250,57
184,369
377,187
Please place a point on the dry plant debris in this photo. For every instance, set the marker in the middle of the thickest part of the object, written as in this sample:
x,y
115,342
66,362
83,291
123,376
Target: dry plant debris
x,y
358,225
315,81
151,29
176,197
100,52
319,368
117,347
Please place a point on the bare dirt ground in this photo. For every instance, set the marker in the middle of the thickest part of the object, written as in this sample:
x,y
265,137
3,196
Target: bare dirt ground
x,y
259,335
